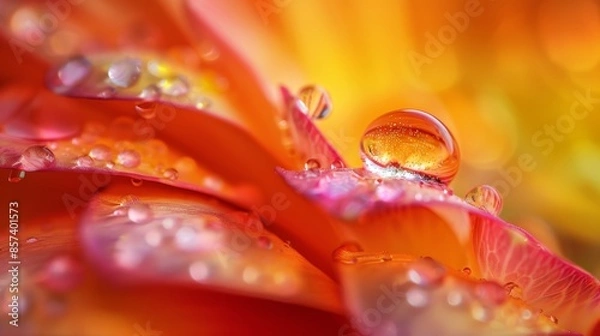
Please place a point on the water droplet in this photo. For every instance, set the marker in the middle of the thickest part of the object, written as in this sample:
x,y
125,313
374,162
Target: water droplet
x,y
482,314
457,298
346,253
513,289
199,271
264,242
151,92
486,198
100,152
386,257
316,100
74,71
36,158
410,144
176,86
16,175
312,164
426,272
129,158
125,73
337,164
139,213
553,319
84,161
109,165
146,110
137,182
171,174
417,297
466,271
186,238
490,293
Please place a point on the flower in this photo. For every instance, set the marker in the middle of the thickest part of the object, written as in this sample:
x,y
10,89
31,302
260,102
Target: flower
x,y
168,202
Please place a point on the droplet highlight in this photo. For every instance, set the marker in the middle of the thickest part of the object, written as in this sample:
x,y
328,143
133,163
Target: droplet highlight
x,y
316,100
410,144
129,158
74,71
312,164
485,197
125,73
36,157
139,213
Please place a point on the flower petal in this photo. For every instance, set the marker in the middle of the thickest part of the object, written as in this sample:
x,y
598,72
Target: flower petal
x,y
153,234
404,296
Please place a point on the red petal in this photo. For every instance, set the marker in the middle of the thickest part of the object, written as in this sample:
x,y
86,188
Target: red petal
x,y
158,235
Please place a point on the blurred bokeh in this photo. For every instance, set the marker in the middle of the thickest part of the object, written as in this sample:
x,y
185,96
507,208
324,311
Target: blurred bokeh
x,y
517,82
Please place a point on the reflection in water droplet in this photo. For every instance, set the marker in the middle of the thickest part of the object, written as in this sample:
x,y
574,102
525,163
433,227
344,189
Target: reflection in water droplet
x,y
125,73
312,164
136,182
16,175
108,92
151,92
171,174
176,86
345,254
74,71
129,158
316,100
426,272
410,144
485,197
84,161
139,213
36,158
100,152
337,164
146,110
466,270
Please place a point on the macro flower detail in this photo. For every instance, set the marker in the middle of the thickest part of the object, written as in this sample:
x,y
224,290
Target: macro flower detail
x,y
158,184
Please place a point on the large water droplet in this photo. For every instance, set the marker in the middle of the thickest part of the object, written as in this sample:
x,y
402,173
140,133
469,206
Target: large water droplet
x,y
125,73
410,144
171,174
36,158
129,158
74,71
176,86
84,161
139,213
146,110
486,198
316,100
312,164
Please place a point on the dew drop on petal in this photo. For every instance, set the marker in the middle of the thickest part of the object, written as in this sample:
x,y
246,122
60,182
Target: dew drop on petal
x,y
171,174
513,289
486,198
345,254
176,86
337,164
100,153
129,158
410,144
312,164
125,73
151,92
84,161
316,100
146,110
74,71
16,175
553,319
466,271
139,213
36,158
136,182
426,272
